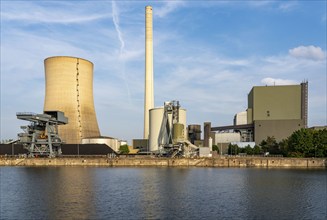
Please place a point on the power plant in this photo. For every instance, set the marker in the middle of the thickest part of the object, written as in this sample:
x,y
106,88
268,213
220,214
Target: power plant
x,y
164,127
168,134
69,115
69,88
274,111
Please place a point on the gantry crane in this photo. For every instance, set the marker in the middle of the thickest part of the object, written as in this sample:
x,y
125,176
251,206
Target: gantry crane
x,y
41,136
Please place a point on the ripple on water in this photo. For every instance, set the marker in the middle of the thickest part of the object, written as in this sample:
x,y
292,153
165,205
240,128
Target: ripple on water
x,y
162,193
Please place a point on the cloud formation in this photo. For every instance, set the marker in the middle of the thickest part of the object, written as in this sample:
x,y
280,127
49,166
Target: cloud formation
x,y
272,82
308,52
287,6
209,75
167,8
115,19
36,13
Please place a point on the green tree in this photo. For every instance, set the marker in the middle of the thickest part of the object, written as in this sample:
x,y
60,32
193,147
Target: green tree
x,y
270,145
123,149
248,150
320,143
301,143
283,146
215,148
257,150
233,149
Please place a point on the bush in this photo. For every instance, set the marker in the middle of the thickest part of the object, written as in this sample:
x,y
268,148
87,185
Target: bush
x,y
123,149
215,148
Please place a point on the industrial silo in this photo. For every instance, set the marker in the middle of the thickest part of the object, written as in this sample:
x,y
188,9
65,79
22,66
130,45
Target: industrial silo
x,y
194,133
156,117
178,132
69,88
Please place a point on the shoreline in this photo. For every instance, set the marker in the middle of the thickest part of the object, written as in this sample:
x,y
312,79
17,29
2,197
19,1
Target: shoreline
x,y
259,162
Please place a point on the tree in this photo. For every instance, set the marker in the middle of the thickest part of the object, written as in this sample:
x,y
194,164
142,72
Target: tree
x,y
215,148
270,145
320,143
283,146
248,150
301,143
124,149
256,150
233,149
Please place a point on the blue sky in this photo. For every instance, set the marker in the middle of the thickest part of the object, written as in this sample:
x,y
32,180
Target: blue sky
x,y
207,54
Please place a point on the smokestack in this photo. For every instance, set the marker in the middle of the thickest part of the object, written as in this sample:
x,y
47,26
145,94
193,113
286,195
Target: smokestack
x,y
148,93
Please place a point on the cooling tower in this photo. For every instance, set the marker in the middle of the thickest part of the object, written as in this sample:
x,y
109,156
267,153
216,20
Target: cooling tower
x,y
69,88
148,91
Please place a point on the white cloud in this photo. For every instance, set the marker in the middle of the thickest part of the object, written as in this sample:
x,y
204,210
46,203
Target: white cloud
x,y
168,7
271,81
211,85
258,3
35,13
287,6
308,52
115,19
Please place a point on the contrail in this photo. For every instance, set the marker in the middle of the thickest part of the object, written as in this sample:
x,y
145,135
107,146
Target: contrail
x,y
115,19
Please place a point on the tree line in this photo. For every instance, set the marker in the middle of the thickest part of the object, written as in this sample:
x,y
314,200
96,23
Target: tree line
x,y
302,143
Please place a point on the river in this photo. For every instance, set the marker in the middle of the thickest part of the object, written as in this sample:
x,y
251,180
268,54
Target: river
x,y
162,193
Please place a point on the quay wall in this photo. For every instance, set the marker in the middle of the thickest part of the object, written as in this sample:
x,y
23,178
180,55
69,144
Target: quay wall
x,y
262,162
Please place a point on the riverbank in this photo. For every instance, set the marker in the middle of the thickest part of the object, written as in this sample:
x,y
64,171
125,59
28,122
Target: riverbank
x,y
263,162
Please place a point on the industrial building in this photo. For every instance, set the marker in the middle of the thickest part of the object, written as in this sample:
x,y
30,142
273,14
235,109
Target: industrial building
x,y
194,134
109,141
241,118
69,88
275,111
156,119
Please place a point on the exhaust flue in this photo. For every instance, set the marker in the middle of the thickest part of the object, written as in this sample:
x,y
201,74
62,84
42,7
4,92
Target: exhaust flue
x,y
148,93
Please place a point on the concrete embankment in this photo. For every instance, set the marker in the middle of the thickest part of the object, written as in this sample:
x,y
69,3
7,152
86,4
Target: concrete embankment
x,y
262,162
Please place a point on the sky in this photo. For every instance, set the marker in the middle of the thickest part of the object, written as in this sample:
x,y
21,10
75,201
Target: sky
x,y
207,54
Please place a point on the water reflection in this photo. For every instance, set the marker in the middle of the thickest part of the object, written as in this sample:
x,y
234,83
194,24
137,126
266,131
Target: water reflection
x,y
286,193
161,193
47,193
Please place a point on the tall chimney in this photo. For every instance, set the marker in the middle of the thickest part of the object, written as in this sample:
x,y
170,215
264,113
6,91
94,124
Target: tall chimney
x,y
148,93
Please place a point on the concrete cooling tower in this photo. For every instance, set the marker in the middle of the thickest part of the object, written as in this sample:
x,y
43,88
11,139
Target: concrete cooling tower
x,y
69,88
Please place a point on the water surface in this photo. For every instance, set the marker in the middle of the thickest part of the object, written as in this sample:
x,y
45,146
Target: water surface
x,y
162,193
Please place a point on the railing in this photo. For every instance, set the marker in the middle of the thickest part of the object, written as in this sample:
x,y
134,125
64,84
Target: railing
x,y
25,113
270,155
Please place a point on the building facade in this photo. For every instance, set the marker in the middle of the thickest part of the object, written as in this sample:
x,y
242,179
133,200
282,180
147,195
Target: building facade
x,y
277,111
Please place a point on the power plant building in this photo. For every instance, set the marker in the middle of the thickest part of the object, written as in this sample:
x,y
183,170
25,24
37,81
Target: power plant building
x,y
156,118
274,111
69,88
277,111
240,118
